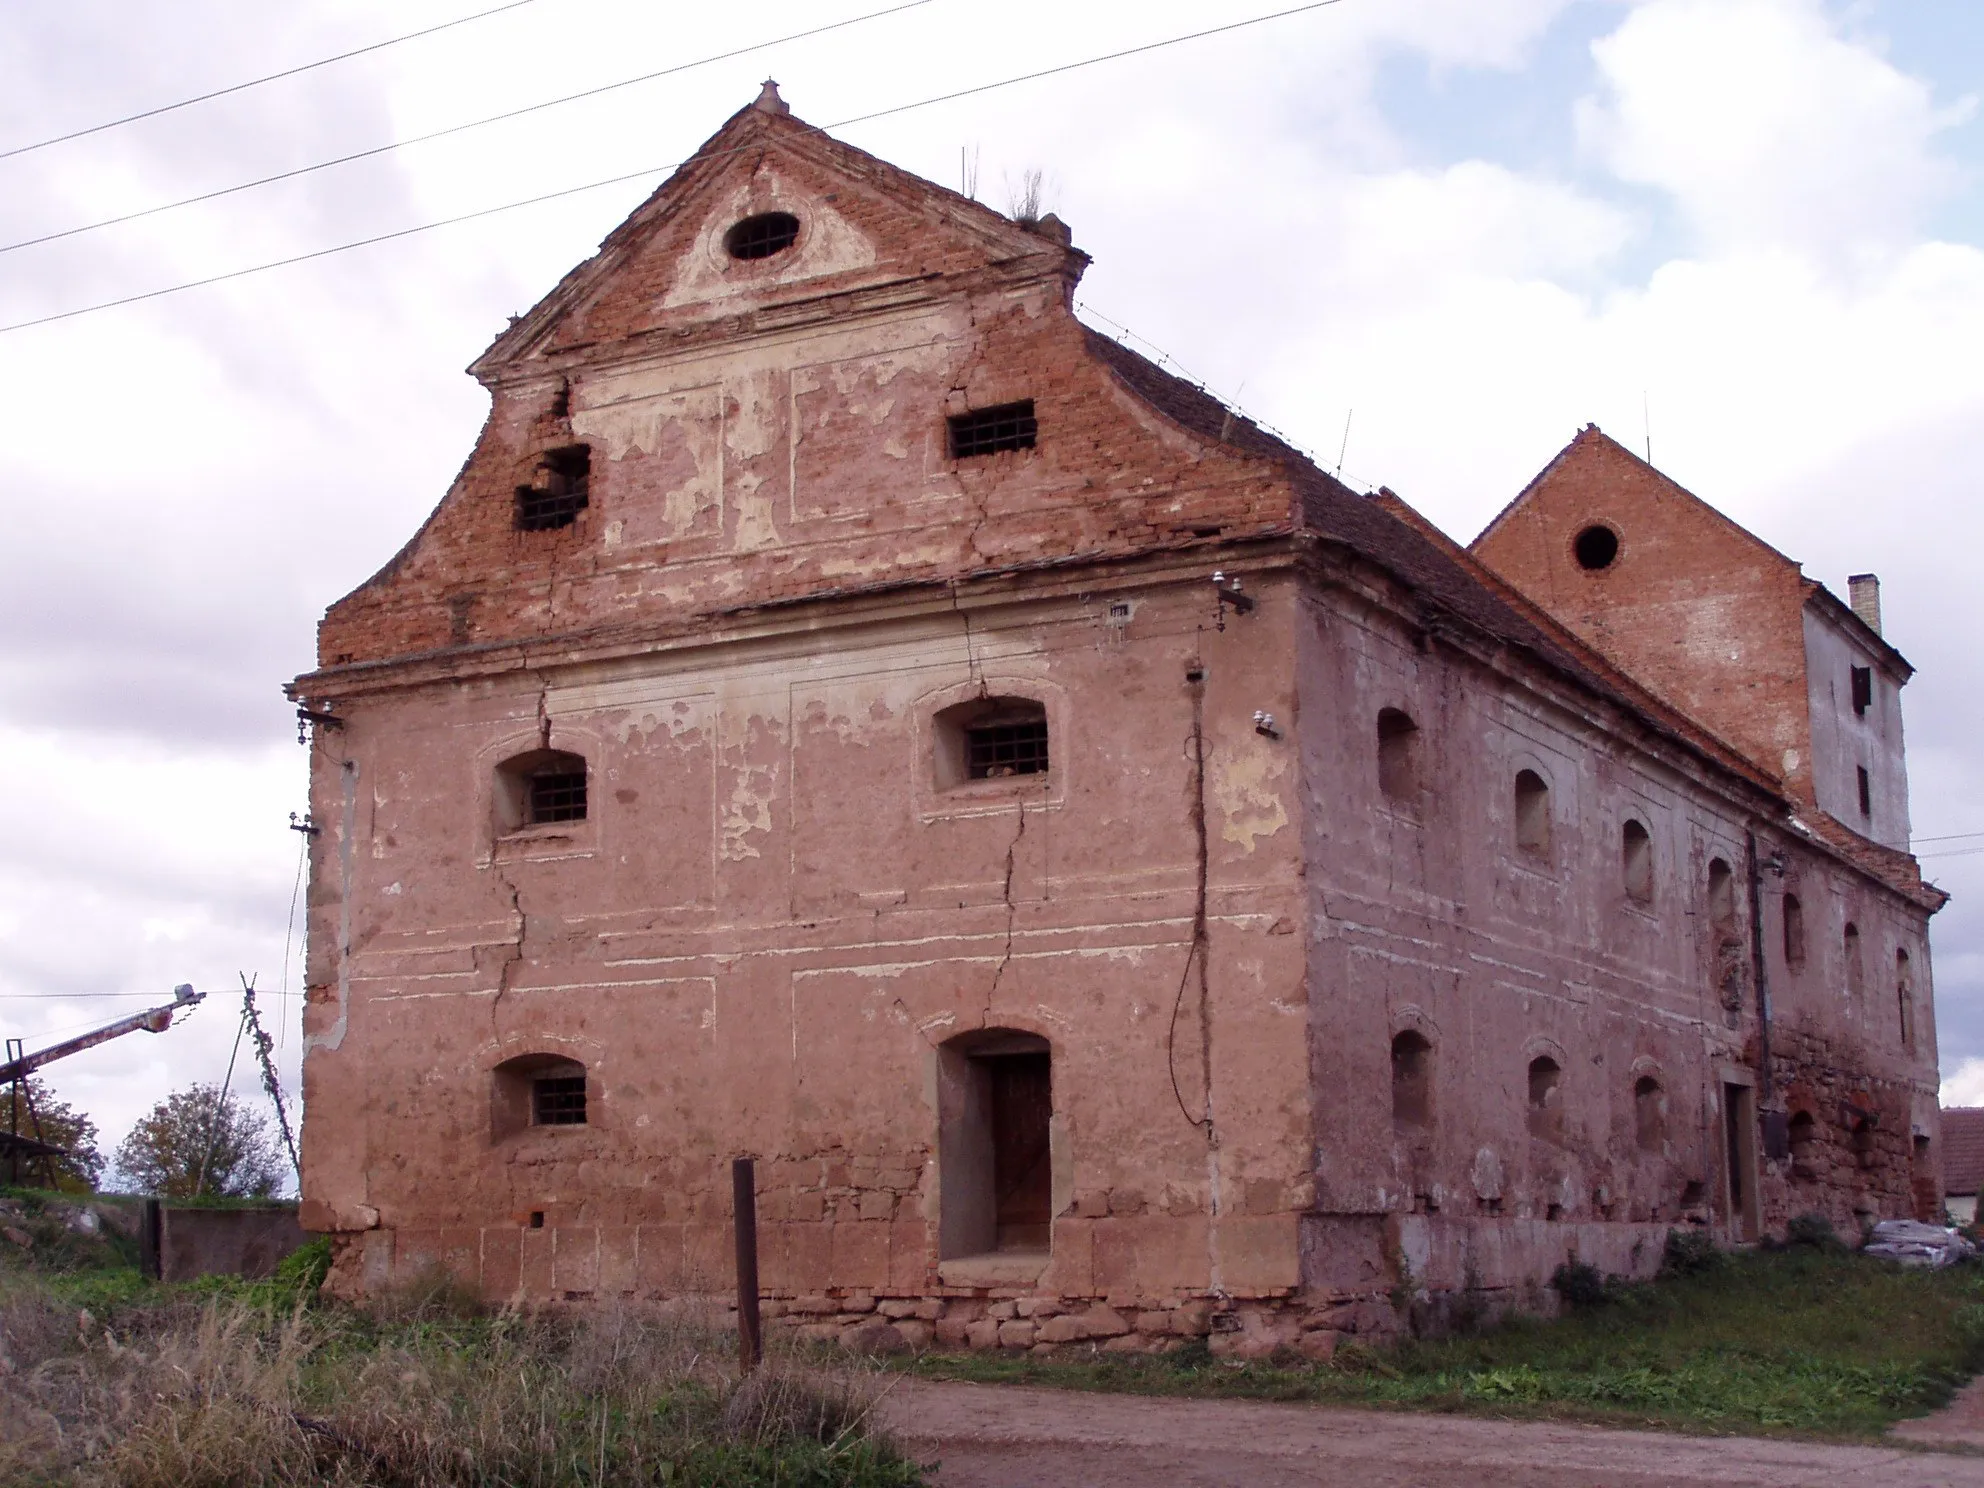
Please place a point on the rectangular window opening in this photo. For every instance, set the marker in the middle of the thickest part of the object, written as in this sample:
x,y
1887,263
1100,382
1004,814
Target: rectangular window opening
x,y
995,750
559,797
559,490
1866,793
987,431
1863,689
559,1101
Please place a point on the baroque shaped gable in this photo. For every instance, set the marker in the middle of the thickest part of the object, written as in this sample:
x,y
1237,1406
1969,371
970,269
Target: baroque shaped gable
x,y
858,225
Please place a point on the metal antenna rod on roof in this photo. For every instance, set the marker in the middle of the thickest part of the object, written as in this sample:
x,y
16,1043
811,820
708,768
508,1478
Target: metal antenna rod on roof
x,y
1344,448
1646,423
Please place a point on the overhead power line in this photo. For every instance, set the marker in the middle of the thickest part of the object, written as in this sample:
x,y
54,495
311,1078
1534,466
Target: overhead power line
x,y
423,227
452,129
167,108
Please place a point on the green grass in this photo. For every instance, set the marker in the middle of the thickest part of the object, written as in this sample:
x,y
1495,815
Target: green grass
x,y
1802,1341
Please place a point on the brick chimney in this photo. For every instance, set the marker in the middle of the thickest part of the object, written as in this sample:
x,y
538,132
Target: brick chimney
x,y
1865,592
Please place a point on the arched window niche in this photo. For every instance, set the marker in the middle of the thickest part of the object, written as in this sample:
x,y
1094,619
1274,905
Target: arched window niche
x,y
1794,933
1532,800
1721,896
990,738
1650,1115
1546,1099
1636,862
541,788
1412,1082
1398,759
538,1090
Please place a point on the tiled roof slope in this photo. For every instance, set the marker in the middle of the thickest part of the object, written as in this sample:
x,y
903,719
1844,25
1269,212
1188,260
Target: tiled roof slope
x,y
1963,1149
1415,552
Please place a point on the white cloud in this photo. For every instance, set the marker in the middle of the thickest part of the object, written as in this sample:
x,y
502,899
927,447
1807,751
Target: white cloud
x,y
1766,125
1964,1086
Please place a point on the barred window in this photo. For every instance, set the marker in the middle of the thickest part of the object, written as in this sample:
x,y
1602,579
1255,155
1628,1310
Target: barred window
x,y
557,797
560,488
991,738
997,749
536,1089
762,236
545,786
986,431
558,1100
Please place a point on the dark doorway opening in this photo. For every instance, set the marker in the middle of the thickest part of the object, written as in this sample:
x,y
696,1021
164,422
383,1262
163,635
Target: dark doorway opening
x,y
996,1097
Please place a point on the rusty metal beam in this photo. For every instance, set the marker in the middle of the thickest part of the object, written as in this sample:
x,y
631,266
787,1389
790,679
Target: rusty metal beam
x,y
152,1020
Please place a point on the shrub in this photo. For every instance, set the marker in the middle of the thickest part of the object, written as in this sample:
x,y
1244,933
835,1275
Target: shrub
x,y
1581,1284
305,1268
1690,1253
1813,1230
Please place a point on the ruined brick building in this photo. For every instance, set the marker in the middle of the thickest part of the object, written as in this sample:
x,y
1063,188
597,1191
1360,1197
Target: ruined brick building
x,y
1118,881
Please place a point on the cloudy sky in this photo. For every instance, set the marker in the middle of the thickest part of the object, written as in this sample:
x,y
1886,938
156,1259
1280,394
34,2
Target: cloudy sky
x,y
1753,229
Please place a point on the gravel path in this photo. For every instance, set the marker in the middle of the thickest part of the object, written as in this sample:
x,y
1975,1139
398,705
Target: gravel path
x,y
998,1436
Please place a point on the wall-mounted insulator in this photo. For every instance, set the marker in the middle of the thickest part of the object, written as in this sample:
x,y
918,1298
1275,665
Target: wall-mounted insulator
x,y
303,824
323,717
1264,725
1229,594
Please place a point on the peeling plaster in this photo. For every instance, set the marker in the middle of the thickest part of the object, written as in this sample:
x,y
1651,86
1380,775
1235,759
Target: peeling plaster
x,y
1247,791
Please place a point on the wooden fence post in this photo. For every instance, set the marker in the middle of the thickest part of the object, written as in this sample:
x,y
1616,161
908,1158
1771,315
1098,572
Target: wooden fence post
x,y
744,1196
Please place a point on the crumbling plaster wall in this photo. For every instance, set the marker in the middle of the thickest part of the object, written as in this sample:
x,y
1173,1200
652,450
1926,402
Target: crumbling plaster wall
x,y
789,440
1425,915
768,922
1693,607
1844,741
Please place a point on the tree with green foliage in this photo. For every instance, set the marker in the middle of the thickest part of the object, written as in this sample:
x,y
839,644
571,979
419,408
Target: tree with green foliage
x,y
45,1116
196,1144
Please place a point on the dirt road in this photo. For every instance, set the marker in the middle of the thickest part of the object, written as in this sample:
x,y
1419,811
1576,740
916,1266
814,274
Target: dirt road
x,y
991,1436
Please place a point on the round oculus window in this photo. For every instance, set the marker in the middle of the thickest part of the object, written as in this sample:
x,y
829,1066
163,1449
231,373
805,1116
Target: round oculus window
x,y
1596,547
762,236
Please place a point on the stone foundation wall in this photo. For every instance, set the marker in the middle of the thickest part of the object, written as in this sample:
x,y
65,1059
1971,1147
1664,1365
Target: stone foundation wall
x,y
1414,1273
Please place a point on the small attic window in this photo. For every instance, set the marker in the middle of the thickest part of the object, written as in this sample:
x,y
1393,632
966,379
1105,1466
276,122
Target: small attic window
x,y
762,236
1596,548
560,488
986,431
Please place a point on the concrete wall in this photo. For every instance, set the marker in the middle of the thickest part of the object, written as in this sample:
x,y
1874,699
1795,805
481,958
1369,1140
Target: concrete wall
x,y
226,1242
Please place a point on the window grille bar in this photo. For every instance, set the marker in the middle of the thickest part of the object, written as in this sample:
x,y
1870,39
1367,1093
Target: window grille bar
x,y
560,1101
558,797
986,431
1000,749
763,235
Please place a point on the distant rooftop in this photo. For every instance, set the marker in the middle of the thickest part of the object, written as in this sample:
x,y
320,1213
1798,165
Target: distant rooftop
x,y
1963,1150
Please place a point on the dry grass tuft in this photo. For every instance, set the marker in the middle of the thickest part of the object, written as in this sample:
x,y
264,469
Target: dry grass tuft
x,y
186,1392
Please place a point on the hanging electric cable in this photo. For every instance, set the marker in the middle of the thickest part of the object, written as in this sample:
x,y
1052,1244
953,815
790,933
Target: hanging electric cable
x,y
406,232
453,129
287,72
